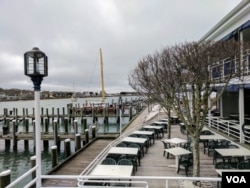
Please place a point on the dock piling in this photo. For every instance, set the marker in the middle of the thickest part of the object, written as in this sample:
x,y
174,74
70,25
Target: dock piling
x,y
54,156
5,178
77,142
67,149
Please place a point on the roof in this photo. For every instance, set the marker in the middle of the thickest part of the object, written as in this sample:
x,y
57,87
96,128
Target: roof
x,y
236,18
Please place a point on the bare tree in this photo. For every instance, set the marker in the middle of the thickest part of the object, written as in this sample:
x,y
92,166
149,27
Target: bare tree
x,y
182,77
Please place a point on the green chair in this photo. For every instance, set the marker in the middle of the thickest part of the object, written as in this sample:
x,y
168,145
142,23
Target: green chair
x,y
109,161
121,144
126,162
243,165
185,161
166,146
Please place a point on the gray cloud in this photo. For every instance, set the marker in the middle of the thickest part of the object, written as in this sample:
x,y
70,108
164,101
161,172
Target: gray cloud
x,y
71,33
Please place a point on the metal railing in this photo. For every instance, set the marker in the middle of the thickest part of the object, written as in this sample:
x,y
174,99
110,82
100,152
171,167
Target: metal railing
x,y
133,179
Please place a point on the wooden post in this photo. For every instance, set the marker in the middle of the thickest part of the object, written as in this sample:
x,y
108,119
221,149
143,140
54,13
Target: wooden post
x,y
93,132
5,178
67,149
42,122
58,116
24,117
8,125
46,120
87,136
55,132
84,124
53,113
77,142
33,163
47,114
14,128
66,128
75,127
54,156
46,130
26,124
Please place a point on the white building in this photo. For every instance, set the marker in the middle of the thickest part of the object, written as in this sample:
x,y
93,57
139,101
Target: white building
x,y
235,102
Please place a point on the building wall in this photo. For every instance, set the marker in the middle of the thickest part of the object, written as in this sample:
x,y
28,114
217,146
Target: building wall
x,y
230,103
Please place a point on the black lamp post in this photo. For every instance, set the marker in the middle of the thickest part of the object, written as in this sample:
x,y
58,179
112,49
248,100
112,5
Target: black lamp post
x,y
36,67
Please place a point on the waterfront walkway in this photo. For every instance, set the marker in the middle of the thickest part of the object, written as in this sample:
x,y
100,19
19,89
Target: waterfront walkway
x,y
152,164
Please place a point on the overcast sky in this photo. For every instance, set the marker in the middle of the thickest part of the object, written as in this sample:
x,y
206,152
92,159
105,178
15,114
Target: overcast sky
x,y
71,32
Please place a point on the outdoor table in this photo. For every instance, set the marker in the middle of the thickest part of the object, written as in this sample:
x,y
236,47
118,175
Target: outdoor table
x,y
175,141
112,170
150,134
156,128
211,137
177,151
234,152
125,151
141,141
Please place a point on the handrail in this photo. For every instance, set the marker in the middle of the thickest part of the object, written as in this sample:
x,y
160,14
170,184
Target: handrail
x,y
21,177
133,178
228,127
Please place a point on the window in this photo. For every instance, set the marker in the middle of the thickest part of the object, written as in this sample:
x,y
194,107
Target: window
x,y
216,72
229,67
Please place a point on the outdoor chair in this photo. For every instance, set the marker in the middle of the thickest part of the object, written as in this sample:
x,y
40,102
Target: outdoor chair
x,y
243,165
224,143
133,135
211,145
187,146
183,129
222,165
121,144
166,146
206,132
185,161
126,162
148,139
136,159
109,161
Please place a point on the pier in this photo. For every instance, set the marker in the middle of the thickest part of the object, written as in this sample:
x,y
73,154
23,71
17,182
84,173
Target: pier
x,y
61,124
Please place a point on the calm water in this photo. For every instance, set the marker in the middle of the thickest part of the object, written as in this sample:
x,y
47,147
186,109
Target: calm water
x,y
19,161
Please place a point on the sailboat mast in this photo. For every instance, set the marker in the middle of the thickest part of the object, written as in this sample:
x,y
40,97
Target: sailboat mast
x,y
102,78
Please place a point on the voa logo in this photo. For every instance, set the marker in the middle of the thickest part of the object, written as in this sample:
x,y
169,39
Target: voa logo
x,y
236,179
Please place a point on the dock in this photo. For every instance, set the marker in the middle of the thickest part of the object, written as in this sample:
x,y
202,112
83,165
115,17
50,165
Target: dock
x,y
152,164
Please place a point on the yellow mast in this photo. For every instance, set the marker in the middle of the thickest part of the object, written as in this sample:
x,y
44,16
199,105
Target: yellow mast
x,y
102,79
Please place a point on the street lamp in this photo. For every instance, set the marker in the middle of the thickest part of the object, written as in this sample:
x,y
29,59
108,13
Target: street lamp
x,y
36,67
120,112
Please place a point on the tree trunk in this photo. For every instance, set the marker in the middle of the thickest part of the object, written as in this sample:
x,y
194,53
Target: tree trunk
x,y
196,157
169,125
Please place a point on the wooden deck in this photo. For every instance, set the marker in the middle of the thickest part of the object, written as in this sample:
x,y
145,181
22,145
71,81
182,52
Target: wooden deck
x,y
152,164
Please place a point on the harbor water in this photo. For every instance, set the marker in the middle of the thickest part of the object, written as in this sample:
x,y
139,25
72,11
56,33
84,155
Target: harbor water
x,y
18,161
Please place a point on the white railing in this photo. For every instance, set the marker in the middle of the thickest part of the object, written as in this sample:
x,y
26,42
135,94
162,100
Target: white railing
x,y
229,127
132,179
